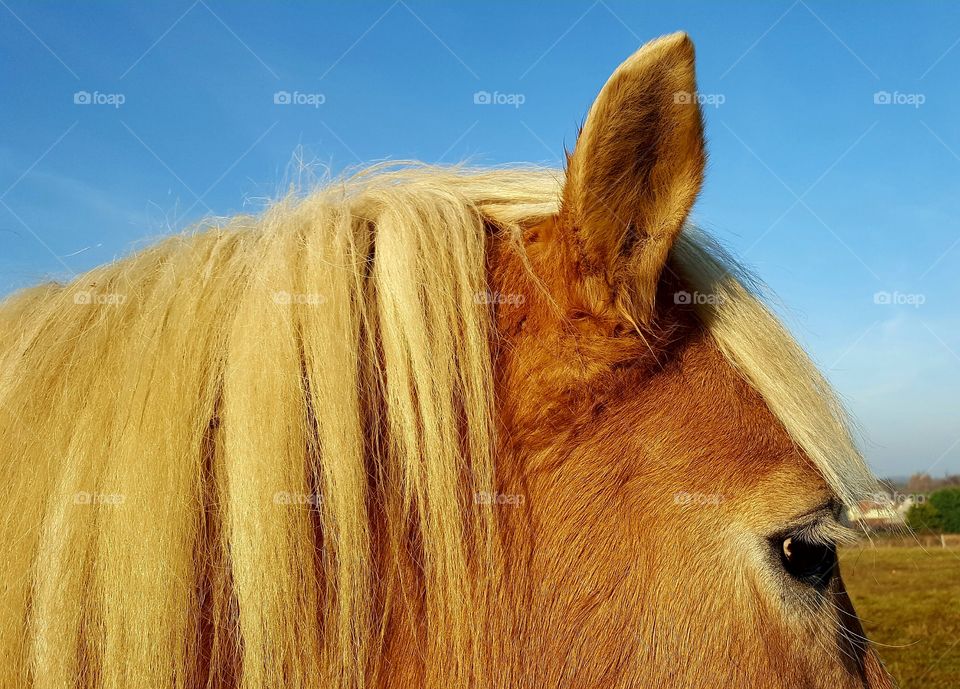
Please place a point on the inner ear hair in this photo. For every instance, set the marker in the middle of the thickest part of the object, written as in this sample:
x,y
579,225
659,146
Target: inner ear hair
x,y
635,173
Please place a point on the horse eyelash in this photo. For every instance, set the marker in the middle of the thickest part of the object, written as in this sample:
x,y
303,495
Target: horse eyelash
x,y
826,532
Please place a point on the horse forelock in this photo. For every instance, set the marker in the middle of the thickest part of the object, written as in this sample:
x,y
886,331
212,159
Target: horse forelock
x,y
296,414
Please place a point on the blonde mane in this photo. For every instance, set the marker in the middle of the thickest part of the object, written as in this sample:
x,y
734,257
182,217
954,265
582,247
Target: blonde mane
x,y
249,424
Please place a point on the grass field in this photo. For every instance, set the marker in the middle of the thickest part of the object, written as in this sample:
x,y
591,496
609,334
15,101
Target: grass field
x,y
909,602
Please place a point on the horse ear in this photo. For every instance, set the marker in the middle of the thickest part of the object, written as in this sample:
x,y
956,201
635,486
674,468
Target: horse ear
x,y
634,174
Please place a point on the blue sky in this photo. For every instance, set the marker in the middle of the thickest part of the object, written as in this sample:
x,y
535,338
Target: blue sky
x,y
832,196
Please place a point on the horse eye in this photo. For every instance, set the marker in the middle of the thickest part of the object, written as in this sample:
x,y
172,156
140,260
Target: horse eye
x,y
807,562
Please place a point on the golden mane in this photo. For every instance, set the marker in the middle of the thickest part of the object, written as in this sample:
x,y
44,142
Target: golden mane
x,y
220,447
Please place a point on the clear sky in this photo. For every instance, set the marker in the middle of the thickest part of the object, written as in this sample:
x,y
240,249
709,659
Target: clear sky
x,y
833,135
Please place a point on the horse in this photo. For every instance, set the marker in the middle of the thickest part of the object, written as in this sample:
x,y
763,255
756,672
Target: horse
x,y
433,427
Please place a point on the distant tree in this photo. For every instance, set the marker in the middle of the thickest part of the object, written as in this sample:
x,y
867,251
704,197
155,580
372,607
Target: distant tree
x,y
923,517
921,483
946,502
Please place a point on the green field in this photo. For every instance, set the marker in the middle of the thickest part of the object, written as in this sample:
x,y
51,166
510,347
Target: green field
x,y
909,602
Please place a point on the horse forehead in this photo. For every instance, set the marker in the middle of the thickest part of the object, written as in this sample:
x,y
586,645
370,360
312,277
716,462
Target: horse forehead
x,y
697,431
720,398
703,416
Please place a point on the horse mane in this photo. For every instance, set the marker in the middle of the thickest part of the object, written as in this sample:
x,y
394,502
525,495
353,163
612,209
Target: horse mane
x,y
274,416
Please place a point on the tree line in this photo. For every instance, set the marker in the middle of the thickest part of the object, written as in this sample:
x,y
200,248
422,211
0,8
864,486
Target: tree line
x,y
936,505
